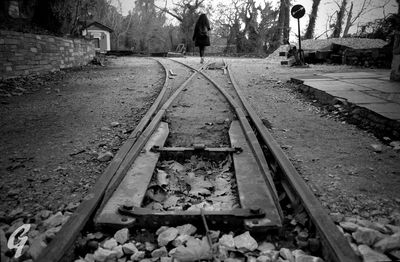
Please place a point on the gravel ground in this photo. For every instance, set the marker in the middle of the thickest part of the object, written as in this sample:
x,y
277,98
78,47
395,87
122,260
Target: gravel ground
x,y
56,126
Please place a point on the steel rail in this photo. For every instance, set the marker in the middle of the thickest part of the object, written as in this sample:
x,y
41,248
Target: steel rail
x,y
251,138
109,180
337,248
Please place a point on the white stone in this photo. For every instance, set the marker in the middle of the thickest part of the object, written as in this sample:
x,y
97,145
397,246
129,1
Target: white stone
x,y
51,232
150,246
110,243
349,226
89,257
122,235
266,246
370,255
227,241
355,248
367,236
393,229
395,145
114,124
180,240
186,229
160,252
263,259
138,256
167,236
286,254
388,243
105,156
245,242
161,229
298,252
102,254
381,228
129,248
377,148
118,250
54,221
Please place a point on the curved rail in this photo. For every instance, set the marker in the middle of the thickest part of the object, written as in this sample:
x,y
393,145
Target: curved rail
x,y
336,246
107,182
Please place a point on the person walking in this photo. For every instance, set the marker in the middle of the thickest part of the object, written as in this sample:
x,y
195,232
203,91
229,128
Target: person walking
x,y
200,35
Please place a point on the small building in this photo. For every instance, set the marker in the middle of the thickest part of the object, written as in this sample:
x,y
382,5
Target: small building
x,y
100,35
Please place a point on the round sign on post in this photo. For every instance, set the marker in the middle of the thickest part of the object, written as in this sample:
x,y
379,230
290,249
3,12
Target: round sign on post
x,y
298,11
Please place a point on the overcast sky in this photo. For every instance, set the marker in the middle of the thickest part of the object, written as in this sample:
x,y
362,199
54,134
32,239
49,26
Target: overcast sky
x,y
326,8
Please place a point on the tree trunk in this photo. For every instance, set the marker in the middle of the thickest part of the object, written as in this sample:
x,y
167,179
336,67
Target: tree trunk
x,y
348,22
286,20
398,6
313,17
282,27
339,20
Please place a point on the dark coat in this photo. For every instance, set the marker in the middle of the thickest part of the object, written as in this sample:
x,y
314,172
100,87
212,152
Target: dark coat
x,y
201,39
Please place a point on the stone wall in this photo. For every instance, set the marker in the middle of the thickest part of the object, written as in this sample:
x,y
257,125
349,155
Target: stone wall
x,y
25,54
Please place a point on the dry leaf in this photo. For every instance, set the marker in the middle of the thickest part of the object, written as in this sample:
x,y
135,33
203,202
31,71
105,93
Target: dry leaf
x,y
198,186
194,250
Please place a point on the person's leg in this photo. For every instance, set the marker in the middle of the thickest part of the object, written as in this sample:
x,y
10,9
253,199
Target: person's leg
x,y
201,53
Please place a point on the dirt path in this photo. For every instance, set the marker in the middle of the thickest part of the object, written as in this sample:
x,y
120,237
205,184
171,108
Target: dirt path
x,y
51,138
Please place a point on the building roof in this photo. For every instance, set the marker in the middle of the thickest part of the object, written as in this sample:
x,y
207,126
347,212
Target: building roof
x,y
99,26
354,43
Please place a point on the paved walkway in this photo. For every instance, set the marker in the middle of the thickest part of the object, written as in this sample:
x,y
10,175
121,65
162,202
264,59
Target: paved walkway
x,y
372,91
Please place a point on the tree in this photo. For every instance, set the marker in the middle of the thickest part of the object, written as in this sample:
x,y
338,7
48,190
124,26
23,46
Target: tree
x,y
228,21
313,17
249,15
146,31
352,19
337,27
282,29
186,12
267,26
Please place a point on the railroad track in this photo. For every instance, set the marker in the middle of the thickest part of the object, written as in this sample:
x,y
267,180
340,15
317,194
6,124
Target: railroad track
x,y
203,127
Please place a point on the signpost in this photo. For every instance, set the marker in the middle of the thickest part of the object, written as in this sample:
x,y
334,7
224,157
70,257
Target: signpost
x,y
298,12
